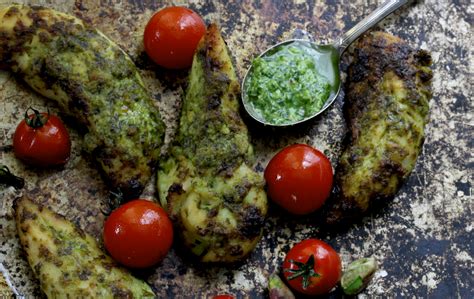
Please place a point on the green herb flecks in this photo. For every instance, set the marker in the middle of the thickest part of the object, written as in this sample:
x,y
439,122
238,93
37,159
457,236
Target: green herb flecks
x,y
287,85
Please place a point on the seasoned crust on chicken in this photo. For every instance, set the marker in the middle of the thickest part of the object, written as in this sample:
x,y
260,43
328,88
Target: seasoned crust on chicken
x,y
93,81
69,262
214,197
386,107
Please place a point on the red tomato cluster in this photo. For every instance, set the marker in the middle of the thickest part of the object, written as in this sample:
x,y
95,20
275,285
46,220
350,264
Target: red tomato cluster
x,y
299,179
139,234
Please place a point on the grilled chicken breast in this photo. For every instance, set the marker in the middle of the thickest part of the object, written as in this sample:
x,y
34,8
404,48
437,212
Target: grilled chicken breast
x,y
93,81
386,106
67,261
215,198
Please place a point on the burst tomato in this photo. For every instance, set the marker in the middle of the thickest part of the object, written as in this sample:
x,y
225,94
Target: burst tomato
x,y
312,267
138,234
299,178
41,139
171,36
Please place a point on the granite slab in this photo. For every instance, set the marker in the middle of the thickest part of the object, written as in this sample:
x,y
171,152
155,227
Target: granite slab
x,y
422,239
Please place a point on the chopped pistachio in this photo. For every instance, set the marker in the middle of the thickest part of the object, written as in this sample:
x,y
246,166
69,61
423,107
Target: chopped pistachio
x,y
358,275
278,289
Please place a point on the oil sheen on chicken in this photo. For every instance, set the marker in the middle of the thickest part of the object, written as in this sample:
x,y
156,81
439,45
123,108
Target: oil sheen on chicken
x,y
94,82
386,107
211,193
69,262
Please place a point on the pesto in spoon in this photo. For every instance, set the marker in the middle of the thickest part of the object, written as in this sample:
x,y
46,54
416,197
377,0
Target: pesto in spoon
x,y
296,80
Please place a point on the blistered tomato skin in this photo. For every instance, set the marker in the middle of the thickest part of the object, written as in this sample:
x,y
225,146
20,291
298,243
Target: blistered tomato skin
x,y
138,234
171,36
45,143
299,179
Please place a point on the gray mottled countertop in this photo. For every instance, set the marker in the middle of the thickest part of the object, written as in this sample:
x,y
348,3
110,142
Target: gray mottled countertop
x,y
422,238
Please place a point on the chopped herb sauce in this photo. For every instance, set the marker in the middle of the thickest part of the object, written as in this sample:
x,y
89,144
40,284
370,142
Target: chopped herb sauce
x,y
291,83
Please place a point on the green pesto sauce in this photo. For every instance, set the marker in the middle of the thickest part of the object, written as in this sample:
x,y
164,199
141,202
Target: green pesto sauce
x,y
290,83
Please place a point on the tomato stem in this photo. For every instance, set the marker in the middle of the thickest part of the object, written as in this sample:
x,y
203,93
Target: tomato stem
x,y
38,120
304,270
8,178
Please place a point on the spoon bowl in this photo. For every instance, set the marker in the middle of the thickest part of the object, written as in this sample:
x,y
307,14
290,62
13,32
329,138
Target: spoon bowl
x,y
327,59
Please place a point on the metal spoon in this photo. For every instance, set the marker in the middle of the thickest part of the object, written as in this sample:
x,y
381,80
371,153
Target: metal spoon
x,y
328,58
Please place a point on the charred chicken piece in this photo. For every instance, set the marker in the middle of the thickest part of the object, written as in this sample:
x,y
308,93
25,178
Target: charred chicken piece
x,y
214,197
67,261
386,107
94,82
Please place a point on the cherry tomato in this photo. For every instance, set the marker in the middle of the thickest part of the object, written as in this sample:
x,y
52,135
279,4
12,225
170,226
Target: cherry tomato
x,y
41,139
312,267
299,178
138,234
171,36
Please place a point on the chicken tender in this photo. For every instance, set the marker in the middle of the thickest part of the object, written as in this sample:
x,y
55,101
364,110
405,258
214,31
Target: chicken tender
x,y
212,194
69,262
386,107
94,82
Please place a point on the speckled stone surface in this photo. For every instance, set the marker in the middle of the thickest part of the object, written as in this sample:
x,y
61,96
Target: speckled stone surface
x,y
422,239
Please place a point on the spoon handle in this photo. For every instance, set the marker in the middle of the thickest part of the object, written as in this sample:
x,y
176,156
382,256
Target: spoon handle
x,y
368,22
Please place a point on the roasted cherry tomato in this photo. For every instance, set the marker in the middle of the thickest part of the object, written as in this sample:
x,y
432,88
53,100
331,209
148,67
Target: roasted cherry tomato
x,y
312,267
171,36
138,234
299,179
41,139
